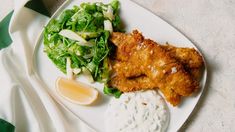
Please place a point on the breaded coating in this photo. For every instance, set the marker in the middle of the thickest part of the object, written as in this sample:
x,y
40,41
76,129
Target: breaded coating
x,y
138,82
189,57
143,64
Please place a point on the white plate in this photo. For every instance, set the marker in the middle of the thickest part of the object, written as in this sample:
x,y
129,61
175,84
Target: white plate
x,y
135,17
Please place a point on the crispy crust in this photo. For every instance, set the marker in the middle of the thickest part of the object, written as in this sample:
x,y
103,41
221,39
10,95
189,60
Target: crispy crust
x,y
189,57
143,64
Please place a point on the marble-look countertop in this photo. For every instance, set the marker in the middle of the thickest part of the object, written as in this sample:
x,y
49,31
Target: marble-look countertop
x,y
210,24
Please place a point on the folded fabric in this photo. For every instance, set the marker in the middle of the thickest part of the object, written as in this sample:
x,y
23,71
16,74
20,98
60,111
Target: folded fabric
x,y
24,102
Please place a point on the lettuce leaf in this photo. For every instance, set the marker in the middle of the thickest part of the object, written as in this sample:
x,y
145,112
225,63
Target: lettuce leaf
x,y
87,20
112,91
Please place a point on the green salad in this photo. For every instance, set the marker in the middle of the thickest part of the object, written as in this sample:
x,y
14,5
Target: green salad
x,y
77,42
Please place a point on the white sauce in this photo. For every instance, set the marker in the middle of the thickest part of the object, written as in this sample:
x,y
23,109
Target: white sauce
x,y
141,111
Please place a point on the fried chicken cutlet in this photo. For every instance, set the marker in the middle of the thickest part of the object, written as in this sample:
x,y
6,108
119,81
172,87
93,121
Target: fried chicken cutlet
x,y
189,57
143,64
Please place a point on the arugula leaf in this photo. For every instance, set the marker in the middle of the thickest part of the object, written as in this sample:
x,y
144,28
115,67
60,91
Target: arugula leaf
x,y
117,23
112,91
66,15
53,26
90,8
86,20
115,5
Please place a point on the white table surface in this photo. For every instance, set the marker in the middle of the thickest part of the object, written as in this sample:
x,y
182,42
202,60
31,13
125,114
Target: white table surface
x,y
210,24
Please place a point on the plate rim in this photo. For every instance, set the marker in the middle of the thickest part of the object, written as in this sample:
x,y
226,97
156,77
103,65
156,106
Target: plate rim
x,y
39,39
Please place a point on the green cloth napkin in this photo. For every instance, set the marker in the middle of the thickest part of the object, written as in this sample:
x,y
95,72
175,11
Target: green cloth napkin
x,y
5,39
38,6
6,126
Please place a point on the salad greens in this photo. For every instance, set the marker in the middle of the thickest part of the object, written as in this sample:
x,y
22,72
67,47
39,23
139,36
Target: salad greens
x,y
81,35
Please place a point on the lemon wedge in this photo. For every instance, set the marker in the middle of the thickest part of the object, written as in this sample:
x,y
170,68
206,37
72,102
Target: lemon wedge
x,y
76,92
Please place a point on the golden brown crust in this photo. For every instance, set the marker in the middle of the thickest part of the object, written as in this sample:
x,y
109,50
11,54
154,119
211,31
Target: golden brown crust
x,y
188,56
143,64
